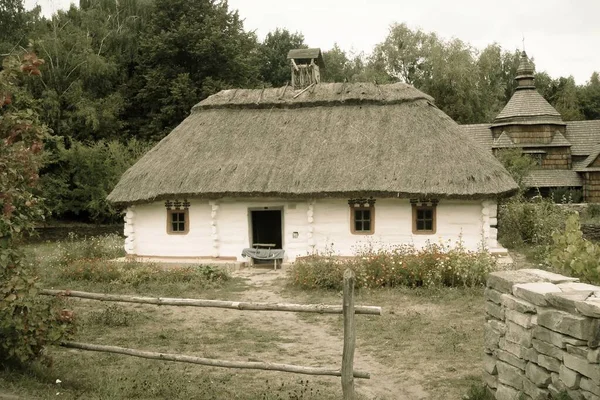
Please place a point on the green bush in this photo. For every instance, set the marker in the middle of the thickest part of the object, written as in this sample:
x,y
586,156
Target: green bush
x,y
529,222
135,274
573,255
76,179
433,265
591,214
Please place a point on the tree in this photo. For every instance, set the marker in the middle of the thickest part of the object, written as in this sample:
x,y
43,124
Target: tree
x,y
517,163
90,52
27,323
189,50
590,97
274,65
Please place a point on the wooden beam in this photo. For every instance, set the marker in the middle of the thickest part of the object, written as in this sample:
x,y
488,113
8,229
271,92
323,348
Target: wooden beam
x,y
349,337
211,362
235,305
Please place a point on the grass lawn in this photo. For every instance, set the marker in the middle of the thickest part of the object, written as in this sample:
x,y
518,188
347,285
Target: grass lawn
x,y
426,345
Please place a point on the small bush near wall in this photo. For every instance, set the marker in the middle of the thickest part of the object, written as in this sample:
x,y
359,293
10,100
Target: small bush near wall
x,y
529,222
434,265
573,255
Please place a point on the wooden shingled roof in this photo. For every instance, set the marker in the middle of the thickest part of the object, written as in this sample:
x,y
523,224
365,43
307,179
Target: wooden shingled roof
x,y
528,107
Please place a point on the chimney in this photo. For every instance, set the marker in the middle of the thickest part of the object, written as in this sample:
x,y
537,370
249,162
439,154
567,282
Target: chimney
x,y
305,65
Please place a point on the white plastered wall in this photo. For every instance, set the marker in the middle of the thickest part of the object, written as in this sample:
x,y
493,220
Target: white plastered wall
x,y
221,228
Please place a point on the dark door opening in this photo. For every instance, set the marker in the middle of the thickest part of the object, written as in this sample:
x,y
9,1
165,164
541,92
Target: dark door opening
x,y
266,228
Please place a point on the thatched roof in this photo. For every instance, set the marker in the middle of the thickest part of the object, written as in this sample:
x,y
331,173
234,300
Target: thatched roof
x,y
330,140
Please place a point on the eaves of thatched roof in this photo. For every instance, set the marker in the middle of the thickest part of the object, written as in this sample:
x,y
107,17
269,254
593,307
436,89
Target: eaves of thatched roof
x,y
331,140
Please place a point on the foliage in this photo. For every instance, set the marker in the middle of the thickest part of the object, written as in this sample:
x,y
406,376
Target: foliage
x,y
188,51
77,179
591,214
565,195
517,163
479,392
524,221
434,265
274,65
27,323
136,274
573,255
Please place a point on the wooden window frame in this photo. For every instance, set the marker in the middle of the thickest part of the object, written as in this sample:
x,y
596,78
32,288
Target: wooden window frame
x,y
186,221
432,205
353,220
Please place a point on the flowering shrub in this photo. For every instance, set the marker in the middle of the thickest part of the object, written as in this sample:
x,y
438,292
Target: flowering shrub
x,y
436,264
97,247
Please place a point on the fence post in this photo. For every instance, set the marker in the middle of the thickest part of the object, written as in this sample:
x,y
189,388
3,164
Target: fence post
x,y
349,337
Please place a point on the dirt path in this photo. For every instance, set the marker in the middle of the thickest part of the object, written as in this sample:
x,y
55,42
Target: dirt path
x,y
315,345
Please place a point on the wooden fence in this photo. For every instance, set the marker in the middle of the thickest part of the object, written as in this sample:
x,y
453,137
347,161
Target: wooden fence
x,y
348,309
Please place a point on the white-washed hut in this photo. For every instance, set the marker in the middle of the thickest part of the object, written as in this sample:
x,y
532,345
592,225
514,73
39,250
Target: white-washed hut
x,y
308,168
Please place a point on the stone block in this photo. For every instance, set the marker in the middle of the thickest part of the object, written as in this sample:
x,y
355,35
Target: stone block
x,y
490,380
498,326
577,286
517,334
567,301
569,377
579,351
547,349
550,363
535,293
493,295
593,356
589,396
582,366
568,324
503,281
494,310
491,337
504,392
489,364
514,303
526,353
589,308
558,384
509,375
547,276
518,318
554,391
510,359
538,375
590,386
555,338
535,392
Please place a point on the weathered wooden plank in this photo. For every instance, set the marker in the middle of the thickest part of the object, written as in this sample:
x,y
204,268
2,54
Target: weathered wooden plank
x,y
235,305
349,337
297,369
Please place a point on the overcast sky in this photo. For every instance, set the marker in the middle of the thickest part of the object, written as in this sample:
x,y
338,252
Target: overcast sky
x,y
562,35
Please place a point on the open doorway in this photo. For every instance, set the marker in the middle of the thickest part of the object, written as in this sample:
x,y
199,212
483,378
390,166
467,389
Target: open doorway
x,y
266,228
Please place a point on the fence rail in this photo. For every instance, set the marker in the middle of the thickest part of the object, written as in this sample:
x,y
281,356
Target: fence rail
x,y
348,309
234,305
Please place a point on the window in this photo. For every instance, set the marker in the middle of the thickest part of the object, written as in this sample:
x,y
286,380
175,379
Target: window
x,y
362,216
178,220
423,217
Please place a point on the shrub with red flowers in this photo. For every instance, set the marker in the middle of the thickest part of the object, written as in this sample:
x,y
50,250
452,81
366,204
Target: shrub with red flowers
x,y
434,265
27,322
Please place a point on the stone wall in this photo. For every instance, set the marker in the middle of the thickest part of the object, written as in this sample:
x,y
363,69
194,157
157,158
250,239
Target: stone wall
x,y
542,336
